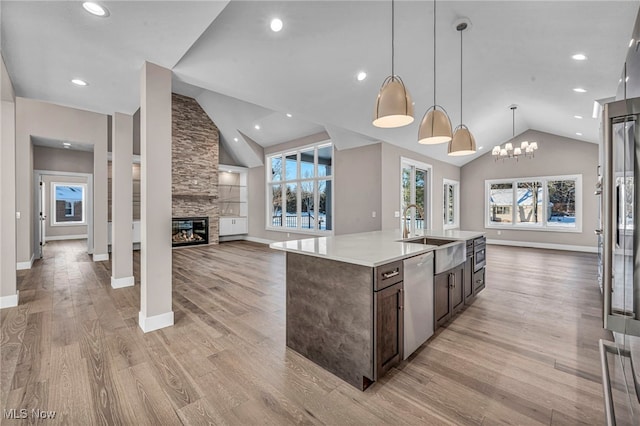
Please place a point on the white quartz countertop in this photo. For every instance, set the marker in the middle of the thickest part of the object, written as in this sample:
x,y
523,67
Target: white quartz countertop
x,y
368,248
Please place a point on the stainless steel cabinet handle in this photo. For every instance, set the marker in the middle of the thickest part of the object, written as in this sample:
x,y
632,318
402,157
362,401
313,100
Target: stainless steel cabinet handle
x,y
388,275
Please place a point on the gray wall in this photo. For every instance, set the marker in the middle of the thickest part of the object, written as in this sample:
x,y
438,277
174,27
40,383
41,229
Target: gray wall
x,y
36,118
391,156
358,180
557,156
62,160
51,232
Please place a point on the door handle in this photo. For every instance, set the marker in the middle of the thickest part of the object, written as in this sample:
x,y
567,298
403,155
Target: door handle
x,y
598,231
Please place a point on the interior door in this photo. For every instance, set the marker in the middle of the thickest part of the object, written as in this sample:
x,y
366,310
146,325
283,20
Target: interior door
x,y
42,217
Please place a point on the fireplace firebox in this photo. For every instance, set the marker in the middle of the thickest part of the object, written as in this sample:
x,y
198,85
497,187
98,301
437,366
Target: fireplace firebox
x,y
189,231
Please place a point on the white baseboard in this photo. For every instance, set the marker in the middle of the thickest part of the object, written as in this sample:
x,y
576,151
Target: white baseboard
x,y
549,246
66,237
122,282
155,322
258,240
25,265
9,301
100,257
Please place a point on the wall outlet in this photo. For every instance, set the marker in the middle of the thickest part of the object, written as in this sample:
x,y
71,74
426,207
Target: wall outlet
x,y
373,214
396,214
17,215
288,234
499,232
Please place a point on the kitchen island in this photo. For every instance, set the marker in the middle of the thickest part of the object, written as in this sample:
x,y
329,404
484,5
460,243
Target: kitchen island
x,y
346,298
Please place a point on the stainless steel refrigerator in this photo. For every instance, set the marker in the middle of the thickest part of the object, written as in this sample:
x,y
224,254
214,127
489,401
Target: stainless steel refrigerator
x,y
620,260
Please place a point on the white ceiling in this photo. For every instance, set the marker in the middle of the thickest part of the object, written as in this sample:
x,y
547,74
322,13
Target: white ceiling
x,y
515,52
59,144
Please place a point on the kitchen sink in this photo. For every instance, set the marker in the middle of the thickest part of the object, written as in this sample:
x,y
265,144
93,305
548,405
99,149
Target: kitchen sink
x,y
449,254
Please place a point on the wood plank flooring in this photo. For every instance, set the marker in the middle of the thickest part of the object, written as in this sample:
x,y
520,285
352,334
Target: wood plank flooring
x,y
525,353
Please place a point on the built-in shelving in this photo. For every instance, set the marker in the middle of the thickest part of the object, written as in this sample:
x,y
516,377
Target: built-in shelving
x,y
233,200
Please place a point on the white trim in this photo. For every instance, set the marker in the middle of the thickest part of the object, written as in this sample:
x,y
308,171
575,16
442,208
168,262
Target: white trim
x,y
66,237
428,207
258,240
122,282
456,204
135,158
298,182
53,207
155,322
9,301
549,246
25,265
543,225
100,257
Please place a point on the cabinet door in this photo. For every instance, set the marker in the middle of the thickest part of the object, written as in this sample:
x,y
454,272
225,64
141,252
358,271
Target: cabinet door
x,y
226,226
389,327
441,305
468,280
478,281
240,225
457,289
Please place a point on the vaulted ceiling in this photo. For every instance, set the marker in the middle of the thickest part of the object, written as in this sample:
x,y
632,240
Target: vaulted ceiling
x,y
224,54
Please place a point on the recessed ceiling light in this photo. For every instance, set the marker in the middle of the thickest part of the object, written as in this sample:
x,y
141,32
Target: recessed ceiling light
x,y
235,139
79,82
276,24
95,9
579,57
361,75
631,42
479,148
626,79
257,126
289,115
229,171
579,90
578,133
66,144
579,117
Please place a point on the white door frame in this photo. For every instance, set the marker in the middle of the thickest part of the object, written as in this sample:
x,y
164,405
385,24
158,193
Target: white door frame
x,y
37,176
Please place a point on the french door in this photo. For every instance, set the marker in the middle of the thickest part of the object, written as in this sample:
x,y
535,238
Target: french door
x,y
415,189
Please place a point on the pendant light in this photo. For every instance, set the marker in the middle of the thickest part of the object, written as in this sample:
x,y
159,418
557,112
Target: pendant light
x,y
435,126
463,142
394,107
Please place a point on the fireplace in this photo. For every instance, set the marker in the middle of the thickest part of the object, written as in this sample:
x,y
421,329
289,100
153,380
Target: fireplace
x,y
189,231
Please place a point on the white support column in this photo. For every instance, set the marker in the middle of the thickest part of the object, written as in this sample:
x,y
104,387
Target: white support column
x,y
8,289
155,209
122,202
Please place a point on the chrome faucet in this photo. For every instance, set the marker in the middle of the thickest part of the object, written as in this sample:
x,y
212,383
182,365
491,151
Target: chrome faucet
x,y
405,231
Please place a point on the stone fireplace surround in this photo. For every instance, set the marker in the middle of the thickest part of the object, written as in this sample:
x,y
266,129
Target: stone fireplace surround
x,y
194,163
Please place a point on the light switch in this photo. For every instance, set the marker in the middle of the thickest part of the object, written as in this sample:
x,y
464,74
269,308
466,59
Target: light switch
x,y
396,214
17,215
373,214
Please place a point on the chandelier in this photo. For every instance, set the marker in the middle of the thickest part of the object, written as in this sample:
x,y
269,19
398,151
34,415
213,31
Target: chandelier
x,y
526,149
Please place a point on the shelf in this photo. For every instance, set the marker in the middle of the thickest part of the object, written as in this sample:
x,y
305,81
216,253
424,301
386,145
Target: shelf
x,y
231,186
231,201
194,195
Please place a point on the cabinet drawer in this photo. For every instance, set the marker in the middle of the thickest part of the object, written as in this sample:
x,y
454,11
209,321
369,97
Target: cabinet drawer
x,y
478,281
388,274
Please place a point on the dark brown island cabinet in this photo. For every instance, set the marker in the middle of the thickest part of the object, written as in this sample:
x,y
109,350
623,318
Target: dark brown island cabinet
x,y
457,287
349,318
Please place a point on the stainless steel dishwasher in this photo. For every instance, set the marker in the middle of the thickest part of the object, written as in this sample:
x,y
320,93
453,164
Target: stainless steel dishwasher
x,y
418,301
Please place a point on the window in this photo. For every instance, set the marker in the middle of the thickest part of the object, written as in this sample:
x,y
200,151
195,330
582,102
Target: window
x,y
415,188
67,203
543,203
451,201
300,189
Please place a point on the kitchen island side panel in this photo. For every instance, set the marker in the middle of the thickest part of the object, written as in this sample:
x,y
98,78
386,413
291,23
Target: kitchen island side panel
x,y
330,315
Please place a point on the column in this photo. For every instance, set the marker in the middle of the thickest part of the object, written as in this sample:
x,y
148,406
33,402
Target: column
x,y
121,201
155,191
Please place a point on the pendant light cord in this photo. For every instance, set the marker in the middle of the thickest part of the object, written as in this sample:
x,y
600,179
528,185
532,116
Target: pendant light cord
x,y
514,122
461,121
393,20
434,54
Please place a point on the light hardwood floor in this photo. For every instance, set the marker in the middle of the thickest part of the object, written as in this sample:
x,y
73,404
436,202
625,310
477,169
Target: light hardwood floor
x,y
524,353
